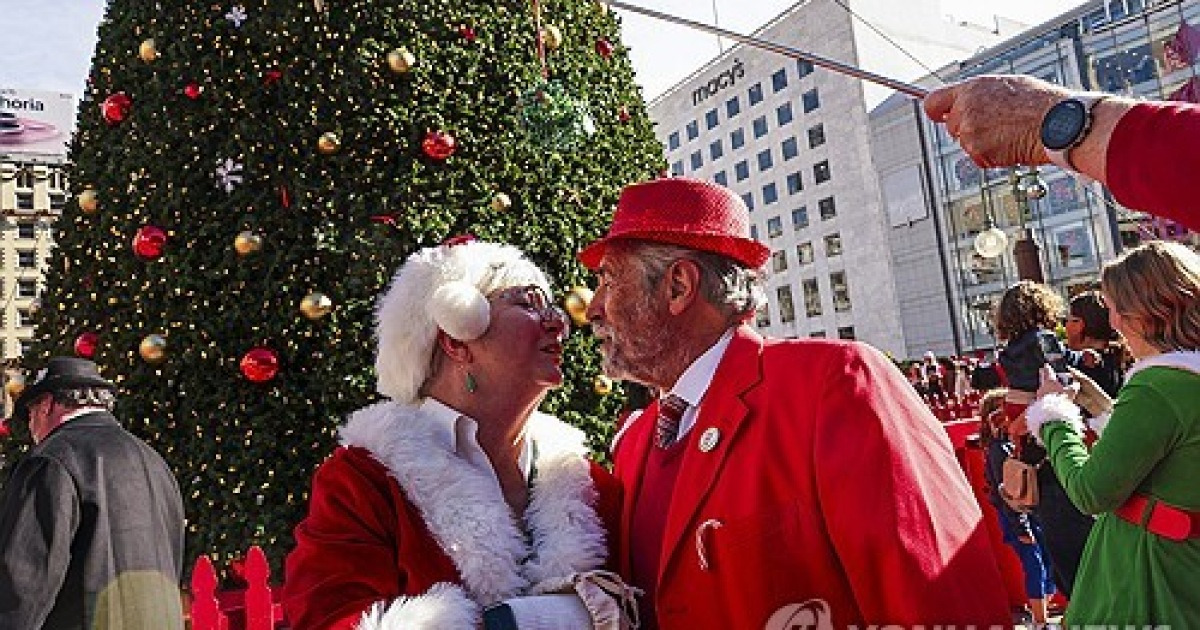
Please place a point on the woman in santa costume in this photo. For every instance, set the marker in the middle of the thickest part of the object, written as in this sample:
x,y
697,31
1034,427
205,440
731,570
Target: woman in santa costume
x,y
455,503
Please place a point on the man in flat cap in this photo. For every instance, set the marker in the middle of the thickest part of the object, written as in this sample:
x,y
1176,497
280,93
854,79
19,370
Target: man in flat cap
x,y
772,478
91,522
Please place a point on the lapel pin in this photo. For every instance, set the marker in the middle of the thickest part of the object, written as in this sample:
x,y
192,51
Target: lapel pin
x,y
709,439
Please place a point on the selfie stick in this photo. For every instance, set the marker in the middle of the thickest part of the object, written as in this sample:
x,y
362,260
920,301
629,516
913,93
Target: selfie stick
x,y
817,60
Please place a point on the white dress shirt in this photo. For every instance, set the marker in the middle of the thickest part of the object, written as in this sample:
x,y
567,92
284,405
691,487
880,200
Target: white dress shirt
x,y
696,379
456,432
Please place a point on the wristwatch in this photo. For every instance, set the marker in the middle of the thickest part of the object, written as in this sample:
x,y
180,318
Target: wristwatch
x,y
1066,124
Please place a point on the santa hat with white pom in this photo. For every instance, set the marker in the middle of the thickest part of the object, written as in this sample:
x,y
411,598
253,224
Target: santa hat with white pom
x,y
441,288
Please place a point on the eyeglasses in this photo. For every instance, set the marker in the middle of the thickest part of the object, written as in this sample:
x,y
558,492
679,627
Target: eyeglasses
x,y
535,298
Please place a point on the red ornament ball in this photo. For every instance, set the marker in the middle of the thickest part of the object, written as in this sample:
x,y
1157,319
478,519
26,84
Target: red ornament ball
x,y
623,114
439,145
260,365
192,91
604,48
467,32
116,107
149,242
85,344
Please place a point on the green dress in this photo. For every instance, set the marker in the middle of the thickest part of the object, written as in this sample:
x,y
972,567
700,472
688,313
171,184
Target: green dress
x,y
1151,445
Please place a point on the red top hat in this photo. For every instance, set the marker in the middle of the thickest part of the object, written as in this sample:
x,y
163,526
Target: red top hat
x,y
681,211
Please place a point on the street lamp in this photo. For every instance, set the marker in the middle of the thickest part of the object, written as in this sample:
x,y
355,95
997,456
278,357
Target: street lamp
x,y
992,241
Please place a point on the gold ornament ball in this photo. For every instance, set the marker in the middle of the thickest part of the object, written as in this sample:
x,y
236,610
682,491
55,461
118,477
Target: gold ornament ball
x,y
89,201
153,348
602,7
552,37
316,305
576,304
501,202
15,385
603,385
401,60
329,143
247,243
148,51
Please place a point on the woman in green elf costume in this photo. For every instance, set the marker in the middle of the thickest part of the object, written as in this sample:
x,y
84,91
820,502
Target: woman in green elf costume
x,y
1142,560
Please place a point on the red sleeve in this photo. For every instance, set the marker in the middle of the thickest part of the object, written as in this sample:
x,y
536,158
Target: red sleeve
x,y
345,555
906,527
1153,158
608,506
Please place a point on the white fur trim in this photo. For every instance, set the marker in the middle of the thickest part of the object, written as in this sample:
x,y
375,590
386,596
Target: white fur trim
x,y
1050,408
1188,360
444,605
404,325
1099,423
465,510
461,310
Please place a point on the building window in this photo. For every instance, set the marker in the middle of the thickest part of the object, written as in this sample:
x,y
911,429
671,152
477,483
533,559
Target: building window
x,y
827,208
783,114
677,168
763,317
716,150
24,201
774,227
817,334
737,138
789,149
741,170
673,141
26,229
748,199
779,80
846,332
812,298
760,126
755,94
24,319
787,310
816,136
821,171
721,178
794,183
779,261
733,107
57,201
697,160
804,68
754,232
770,194
26,288
693,130
804,253
800,218
764,160
710,119
26,259
811,100
841,292
833,244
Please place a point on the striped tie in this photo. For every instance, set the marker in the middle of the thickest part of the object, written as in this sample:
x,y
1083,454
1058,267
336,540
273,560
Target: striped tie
x,y
670,412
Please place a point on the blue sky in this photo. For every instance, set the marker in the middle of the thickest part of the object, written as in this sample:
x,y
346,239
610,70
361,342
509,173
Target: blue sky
x,y
47,44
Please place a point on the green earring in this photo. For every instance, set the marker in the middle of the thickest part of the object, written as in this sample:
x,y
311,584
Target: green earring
x,y
471,384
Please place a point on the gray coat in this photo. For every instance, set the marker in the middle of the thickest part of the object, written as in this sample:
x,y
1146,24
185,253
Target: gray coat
x,y
91,533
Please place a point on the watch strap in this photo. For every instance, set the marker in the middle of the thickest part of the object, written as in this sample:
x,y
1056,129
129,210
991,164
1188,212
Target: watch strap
x,y
1062,157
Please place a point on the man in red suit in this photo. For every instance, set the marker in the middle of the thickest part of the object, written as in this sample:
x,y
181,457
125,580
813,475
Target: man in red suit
x,y
774,480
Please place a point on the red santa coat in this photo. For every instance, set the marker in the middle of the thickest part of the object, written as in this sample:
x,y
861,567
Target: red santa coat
x,y
814,473
401,533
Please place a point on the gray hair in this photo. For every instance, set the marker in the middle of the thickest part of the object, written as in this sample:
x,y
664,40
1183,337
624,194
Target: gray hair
x,y
726,284
85,397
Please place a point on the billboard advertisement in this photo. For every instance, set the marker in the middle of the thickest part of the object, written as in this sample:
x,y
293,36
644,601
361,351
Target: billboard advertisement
x,y
35,123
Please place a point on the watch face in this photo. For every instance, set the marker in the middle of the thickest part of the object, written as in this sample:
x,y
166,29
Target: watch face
x,y
1063,125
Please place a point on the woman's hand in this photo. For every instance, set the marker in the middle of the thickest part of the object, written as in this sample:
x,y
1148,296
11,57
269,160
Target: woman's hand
x,y
1050,384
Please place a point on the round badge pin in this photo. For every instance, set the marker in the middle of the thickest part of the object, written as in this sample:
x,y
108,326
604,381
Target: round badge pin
x,y
709,439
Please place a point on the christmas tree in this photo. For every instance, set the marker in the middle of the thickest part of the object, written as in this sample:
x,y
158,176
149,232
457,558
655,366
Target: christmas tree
x,y
248,176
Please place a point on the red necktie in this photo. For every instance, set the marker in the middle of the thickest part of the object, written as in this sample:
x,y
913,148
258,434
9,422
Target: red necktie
x,y
670,412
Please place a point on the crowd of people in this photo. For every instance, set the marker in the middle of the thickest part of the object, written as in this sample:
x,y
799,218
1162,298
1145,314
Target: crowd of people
x,y
767,483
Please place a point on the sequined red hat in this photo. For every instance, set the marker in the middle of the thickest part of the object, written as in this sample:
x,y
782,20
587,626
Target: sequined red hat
x,y
682,211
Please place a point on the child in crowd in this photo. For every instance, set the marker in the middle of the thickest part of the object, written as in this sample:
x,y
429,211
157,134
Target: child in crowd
x,y
1025,319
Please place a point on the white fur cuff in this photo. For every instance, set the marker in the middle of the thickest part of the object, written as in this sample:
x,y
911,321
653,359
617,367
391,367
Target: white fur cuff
x,y
1050,408
444,605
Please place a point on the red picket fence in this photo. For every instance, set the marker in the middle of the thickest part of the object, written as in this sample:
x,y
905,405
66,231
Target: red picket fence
x,y
253,608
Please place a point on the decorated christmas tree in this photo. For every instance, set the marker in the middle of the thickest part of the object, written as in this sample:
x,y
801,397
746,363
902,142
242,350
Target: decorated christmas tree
x,y
247,178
